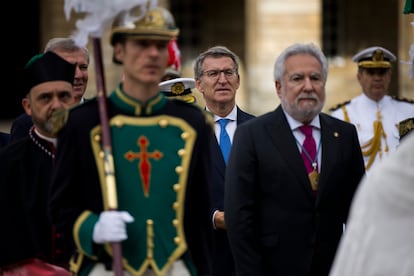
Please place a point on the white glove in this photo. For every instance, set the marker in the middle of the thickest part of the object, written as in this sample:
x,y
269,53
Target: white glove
x,y
111,226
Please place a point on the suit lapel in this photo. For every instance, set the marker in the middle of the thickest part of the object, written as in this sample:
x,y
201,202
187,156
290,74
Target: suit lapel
x,y
217,157
285,142
242,116
330,150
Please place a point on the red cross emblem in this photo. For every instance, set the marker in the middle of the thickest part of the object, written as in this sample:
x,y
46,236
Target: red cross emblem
x,y
144,166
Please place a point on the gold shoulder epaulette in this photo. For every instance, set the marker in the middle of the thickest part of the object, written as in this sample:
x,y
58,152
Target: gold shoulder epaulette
x,y
339,106
406,126
402,99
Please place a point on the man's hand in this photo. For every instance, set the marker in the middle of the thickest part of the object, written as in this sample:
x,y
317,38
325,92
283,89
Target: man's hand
x,y
219,220
111,226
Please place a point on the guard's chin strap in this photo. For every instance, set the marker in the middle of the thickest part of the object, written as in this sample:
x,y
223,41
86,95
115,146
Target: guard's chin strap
x,y
373,147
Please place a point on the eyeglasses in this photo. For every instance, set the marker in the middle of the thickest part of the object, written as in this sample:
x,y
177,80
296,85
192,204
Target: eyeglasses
x,y
213,74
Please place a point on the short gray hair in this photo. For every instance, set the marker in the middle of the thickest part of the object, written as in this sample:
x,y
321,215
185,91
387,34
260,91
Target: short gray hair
x,y
296,49
215,52
66,44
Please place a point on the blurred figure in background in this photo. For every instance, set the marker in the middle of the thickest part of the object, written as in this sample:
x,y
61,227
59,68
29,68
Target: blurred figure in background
x,y
4,138
379,236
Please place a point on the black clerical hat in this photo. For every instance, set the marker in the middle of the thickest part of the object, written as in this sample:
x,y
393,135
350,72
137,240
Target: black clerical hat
x,y
46,67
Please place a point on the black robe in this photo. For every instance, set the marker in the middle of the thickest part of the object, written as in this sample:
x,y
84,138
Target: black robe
x,y
25,172
4,139
20,126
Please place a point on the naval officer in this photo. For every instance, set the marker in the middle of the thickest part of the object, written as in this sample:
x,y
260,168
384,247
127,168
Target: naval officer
x,y
375,114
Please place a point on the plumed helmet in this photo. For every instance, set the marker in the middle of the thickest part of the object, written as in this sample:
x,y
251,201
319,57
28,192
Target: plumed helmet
x,y
157,23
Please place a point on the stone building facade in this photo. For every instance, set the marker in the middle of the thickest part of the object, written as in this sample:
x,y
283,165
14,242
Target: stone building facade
x,y
258,30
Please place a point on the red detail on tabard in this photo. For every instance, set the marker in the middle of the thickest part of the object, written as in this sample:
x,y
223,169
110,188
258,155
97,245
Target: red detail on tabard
x,y
144,166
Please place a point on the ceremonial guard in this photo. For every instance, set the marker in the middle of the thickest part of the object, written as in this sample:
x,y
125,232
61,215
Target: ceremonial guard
x,y
375,114
161,166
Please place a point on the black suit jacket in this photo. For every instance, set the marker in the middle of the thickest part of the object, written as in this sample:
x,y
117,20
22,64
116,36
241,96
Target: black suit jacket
x,y
222,257
20,127
4,138
276,226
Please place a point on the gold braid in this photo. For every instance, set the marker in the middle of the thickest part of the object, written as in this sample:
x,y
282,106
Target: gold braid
x,y
372,147
346,116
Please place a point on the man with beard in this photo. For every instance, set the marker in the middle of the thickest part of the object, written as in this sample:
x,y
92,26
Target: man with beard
x,y
291,176
66,48
27,236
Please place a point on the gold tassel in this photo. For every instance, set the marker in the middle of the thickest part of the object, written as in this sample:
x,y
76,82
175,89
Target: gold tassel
x,y
372,147
346,116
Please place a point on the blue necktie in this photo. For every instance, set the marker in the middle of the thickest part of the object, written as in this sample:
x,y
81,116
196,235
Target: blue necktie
x,y
225,144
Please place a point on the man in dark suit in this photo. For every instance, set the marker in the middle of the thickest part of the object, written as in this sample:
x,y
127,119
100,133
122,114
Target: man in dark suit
x,y
282,217
217,78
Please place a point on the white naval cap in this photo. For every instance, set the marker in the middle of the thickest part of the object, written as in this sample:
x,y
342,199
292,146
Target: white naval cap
x,y
374,57
179,88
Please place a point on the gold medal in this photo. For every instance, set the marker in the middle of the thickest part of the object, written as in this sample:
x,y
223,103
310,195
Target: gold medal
x,y
314,179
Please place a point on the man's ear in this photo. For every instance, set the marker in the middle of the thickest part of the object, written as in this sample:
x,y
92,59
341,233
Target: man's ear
x,y
278,86
198,86
26,106
118,52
